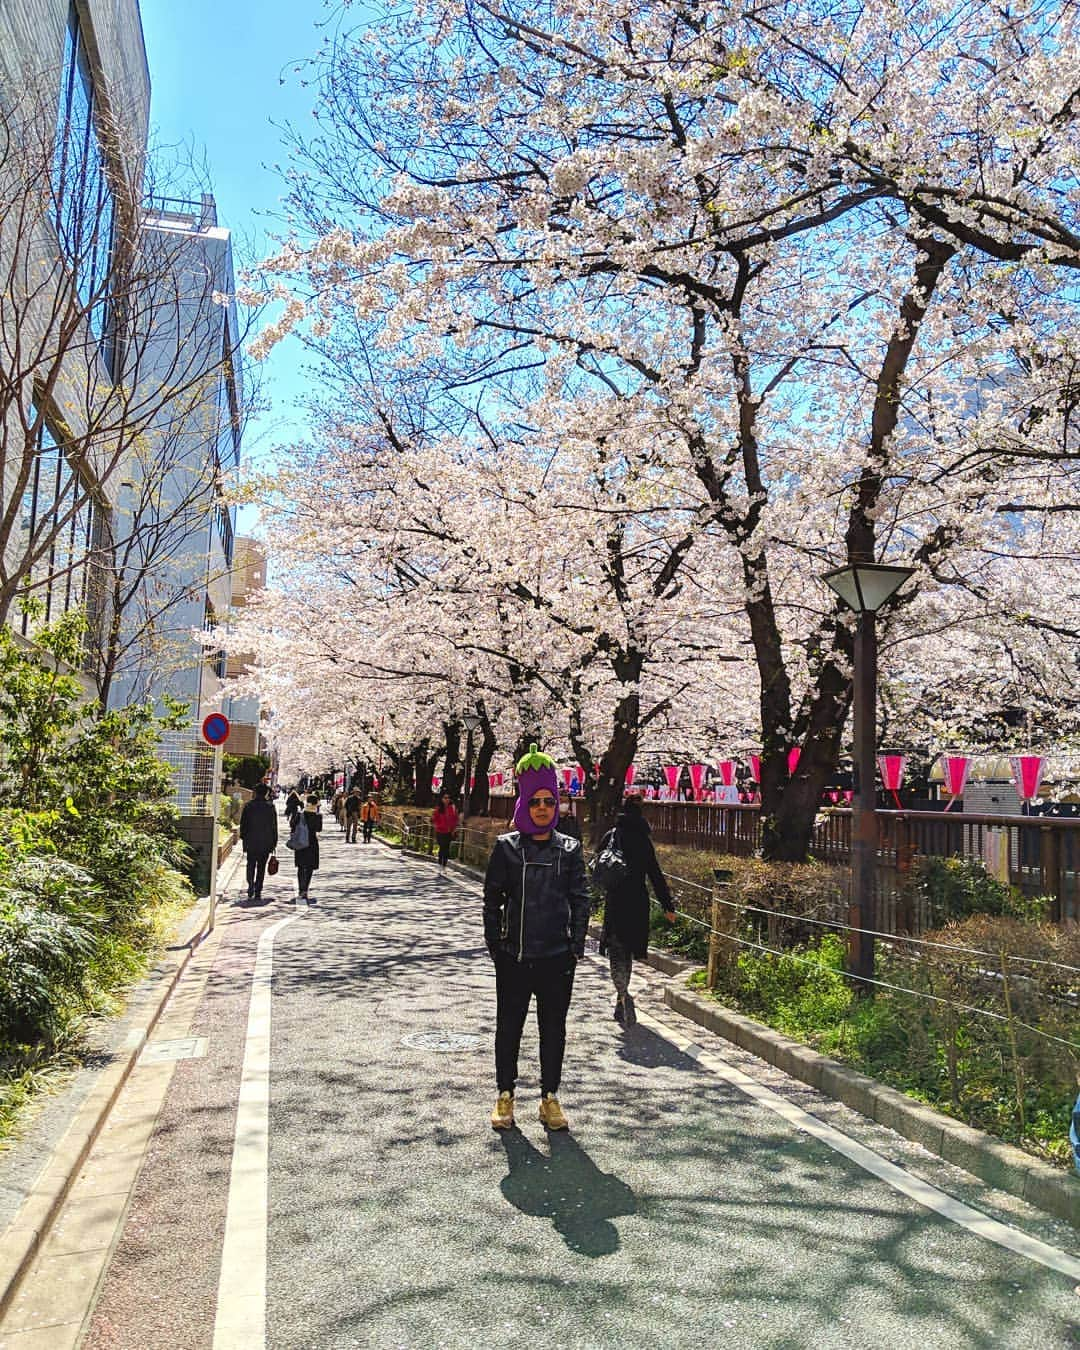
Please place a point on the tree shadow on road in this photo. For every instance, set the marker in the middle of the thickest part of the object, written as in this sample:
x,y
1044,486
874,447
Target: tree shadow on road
x,y
568,1188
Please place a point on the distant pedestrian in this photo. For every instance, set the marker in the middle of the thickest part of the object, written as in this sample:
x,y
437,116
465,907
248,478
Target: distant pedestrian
x,y
258,838
536,913
337,809
626,906
353,802
369,814
307,858
445,820
293,806
567,819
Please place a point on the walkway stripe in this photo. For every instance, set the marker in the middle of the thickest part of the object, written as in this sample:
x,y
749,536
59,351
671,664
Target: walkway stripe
x,y
916,1189
240,1321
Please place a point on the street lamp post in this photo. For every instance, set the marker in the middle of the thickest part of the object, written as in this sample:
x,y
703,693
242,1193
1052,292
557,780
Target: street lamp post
x,y
864,587
470,721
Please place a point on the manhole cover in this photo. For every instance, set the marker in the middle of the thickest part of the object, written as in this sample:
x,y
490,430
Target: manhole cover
x,y
163,1052
442,1042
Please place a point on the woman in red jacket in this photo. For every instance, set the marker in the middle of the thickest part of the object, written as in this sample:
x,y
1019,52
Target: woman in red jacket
x,y
445,820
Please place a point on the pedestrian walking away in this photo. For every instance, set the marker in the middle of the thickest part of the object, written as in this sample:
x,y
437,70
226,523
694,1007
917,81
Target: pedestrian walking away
x,y
536,913
369,814
445,820
293,807
304,841
625,932
258,838
353,802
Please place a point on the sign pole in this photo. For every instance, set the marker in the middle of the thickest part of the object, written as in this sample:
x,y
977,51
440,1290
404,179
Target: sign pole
x,y
215,791
215,731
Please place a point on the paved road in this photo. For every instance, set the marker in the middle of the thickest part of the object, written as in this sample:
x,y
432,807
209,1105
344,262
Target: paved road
x,y
676,1213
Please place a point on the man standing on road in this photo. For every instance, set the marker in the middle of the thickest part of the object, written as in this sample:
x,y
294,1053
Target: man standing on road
x,y
369,814
536,913
353,803
258,837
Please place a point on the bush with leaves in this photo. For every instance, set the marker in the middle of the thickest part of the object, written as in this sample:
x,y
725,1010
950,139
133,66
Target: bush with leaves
x,y
89,852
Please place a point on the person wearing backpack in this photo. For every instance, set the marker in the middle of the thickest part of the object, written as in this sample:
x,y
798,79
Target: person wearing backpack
x,y
536,913
353,803
304,842
626,902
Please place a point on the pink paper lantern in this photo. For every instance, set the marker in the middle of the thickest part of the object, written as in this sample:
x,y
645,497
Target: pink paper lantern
x,y
580,772
1027,772
671,773
956,769
631,773
567,774
755,768
849,795
726,769
834,796
435,783
793,759
891,768
697,776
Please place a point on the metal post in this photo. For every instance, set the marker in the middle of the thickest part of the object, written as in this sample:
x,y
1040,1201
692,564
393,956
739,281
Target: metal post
x,y
215,792
864,833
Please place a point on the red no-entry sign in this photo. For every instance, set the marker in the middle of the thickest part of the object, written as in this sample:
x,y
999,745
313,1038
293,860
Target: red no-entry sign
x,y
215,729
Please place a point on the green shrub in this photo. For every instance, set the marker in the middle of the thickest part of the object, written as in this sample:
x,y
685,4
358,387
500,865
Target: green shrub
x,y
802,991
50,927
952,888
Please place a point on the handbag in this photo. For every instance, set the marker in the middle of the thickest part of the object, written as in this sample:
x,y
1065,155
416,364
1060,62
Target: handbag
x,y
272,864
298,840
609,867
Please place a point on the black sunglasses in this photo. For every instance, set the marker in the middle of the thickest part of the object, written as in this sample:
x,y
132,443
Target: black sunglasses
x,y
541,801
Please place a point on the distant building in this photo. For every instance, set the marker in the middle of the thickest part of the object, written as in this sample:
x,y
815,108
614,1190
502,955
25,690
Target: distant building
x,y
74,99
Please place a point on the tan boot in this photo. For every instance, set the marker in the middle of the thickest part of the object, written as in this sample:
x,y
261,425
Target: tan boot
x,y
551,1114
502,1118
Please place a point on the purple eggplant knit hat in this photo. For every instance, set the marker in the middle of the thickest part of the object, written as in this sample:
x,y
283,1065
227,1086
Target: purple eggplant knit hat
x,y
535,770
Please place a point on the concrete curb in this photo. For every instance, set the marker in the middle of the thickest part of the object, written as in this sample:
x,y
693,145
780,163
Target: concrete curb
x,y
1000,1165
23,1238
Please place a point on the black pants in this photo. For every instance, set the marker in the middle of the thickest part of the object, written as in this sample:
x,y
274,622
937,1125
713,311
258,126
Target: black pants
x,y
552,982
256,871
352,824
369,830
304,873
445,840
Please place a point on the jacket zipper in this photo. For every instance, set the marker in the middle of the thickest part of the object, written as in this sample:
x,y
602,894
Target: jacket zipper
x,y
524,869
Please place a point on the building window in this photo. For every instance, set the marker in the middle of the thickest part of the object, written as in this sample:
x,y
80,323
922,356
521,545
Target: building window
x,y
84,203
59,520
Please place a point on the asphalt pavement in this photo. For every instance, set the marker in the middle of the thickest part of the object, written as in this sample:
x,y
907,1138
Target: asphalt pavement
x,y
676,1212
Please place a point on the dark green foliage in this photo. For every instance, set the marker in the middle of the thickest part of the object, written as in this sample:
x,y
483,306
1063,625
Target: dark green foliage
x,y
953,888
88,846
247,770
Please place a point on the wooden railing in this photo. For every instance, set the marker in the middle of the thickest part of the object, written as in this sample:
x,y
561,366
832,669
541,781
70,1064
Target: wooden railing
x,y
1040,855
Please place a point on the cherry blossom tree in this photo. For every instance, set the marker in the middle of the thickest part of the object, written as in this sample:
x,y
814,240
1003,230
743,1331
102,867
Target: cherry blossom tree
x,y
768,290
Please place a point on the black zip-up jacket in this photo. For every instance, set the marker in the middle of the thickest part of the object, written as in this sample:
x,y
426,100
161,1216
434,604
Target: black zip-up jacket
x,y
536,897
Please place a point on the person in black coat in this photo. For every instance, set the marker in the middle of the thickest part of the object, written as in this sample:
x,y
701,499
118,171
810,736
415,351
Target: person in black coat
x,y
258,837
626,906
307,859
293,807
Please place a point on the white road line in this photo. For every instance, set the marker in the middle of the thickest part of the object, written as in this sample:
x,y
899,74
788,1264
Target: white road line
x,y
240,1321
916,1189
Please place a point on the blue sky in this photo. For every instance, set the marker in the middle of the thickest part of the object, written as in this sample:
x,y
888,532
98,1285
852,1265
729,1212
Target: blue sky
x,y
221,73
